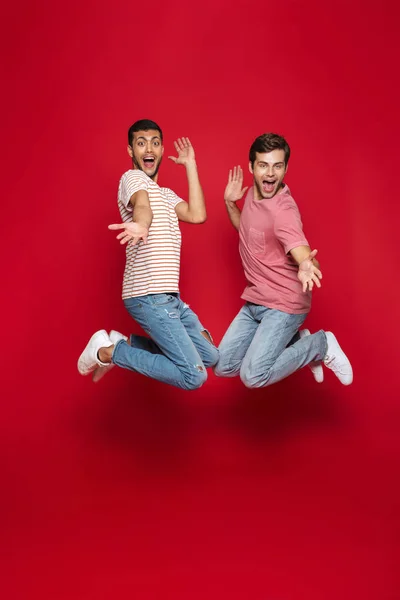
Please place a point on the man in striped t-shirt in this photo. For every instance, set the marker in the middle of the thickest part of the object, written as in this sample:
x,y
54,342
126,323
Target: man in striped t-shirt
x,y
178,348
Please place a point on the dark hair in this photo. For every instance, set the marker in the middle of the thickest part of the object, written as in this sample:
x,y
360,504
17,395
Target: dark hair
x,y
142,125
268,142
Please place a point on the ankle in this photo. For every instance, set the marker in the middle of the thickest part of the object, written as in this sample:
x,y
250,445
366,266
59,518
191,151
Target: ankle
x,y
105,354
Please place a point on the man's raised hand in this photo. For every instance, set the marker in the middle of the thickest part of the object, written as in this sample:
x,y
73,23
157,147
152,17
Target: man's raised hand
x,y
131,232
185,152
234,191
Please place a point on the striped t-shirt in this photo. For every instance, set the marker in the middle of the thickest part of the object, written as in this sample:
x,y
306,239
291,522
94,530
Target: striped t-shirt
x,y
151,268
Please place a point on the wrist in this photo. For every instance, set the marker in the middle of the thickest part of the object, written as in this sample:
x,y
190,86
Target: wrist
x,y
191,166
141,223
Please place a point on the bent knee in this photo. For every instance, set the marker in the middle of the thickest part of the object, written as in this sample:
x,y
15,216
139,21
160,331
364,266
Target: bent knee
x,y
212,358
223,369
196,379
252,380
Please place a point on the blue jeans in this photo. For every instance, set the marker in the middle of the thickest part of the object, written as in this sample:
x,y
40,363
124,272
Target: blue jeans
x,y
177,353
263,346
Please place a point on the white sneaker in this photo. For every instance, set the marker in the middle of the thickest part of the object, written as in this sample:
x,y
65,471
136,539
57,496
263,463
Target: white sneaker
x,y
88,360
337,361
115,336
315,366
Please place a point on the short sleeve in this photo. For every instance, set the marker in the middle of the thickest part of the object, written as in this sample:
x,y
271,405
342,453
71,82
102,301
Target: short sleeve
x,y
172,197
131,182
289,228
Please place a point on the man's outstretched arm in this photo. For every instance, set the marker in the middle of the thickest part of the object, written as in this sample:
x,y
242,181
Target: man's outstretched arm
x,y
193,211
233,193
309,272
142,216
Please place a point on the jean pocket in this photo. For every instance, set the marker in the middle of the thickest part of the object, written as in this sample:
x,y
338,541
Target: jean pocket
x,y
161,299
132,303
256,241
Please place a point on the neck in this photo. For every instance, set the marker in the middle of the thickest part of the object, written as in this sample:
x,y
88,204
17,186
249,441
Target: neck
x,y
154,177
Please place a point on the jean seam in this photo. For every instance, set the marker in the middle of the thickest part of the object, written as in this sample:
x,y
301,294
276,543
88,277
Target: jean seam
x,y
291,360
145,319
116,346
172,338
230,365
277,338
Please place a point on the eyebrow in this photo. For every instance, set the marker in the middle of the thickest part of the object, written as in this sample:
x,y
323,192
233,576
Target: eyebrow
x,y
281,162
155,137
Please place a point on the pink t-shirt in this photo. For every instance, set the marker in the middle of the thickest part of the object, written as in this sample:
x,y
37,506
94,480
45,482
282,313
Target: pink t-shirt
x,y
269,229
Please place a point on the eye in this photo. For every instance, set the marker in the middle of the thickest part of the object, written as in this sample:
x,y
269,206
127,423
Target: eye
x,y
140,143
156,143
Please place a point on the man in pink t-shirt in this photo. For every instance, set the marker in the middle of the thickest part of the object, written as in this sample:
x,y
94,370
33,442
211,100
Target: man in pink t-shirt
x,y
263,343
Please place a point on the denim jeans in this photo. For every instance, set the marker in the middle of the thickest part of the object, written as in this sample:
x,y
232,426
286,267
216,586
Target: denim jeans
x,y
263,346
177,353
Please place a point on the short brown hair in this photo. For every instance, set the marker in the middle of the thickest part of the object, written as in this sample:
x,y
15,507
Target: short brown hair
x,y
268,142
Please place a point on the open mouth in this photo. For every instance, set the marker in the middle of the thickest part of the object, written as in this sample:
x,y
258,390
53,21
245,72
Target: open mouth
x,y
149,162
268,185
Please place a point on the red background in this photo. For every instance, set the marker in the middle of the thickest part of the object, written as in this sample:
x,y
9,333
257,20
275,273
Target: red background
x,y
132,489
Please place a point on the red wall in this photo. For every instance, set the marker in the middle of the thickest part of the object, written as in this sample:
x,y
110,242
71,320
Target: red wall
x,y
131,489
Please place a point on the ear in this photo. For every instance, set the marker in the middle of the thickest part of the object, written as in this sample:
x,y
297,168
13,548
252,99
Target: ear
x,y
130,151
162,150
251,168
286,168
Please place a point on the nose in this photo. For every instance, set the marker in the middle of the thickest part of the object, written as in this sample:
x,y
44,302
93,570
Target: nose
x,y
270,171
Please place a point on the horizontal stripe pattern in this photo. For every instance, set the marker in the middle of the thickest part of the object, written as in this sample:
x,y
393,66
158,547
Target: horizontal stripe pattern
x,y
152,268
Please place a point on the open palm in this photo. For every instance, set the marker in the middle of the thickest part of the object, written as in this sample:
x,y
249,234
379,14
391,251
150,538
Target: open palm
x,y
185,152
234,190
132,232
308,273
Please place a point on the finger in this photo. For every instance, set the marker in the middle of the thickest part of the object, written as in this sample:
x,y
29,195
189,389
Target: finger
x,y
317,281
317,272
184,142
180,143
188,142
117,226
176,146
310,285
304,286
240,173
242,193
313,254
125,239
144,238
173,158
121,235
230,176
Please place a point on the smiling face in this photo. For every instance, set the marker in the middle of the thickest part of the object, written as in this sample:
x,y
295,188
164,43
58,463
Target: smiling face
x,y
146,151
269,170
